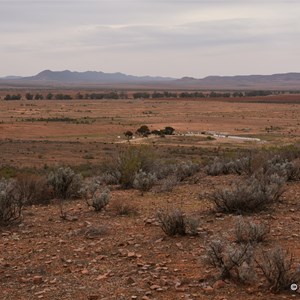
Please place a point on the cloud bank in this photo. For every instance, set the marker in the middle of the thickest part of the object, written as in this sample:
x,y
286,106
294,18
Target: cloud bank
x,y
169,38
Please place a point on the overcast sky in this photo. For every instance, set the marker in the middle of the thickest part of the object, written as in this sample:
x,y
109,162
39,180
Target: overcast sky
x,y
150,37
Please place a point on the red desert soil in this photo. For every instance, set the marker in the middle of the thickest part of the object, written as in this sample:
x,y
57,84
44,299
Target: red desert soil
x,y
107,256
27,141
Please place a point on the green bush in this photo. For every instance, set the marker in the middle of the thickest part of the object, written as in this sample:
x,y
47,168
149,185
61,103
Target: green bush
x,y
130,162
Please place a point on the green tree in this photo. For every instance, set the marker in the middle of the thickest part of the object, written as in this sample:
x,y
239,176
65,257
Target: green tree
x,y
128,134
143,131
28,96
49,96
168,130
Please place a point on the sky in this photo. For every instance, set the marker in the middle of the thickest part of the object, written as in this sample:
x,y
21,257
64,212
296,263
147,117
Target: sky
x,y
172,38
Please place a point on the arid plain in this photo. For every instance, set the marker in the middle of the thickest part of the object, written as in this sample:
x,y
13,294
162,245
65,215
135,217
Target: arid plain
x,y
94,126
116,255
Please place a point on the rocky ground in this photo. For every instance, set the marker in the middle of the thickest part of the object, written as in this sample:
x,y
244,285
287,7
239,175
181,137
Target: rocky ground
x,y
109,256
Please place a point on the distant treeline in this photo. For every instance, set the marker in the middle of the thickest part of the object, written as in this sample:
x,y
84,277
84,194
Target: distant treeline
x,y
146,95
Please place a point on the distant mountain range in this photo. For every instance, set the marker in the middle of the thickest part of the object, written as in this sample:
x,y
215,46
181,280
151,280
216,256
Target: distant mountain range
x,y
67,78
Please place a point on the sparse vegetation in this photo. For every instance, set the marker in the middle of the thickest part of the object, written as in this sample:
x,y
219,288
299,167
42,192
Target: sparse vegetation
x,y
144,181
175,222
277,266
11,203
130,162
167,184
65,183
232,260
249,196
223,167
44,246
96,195
32,189
250,232
124,208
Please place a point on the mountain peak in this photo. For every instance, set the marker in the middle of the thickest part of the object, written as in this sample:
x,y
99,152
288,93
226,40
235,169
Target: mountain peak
x,y
92,77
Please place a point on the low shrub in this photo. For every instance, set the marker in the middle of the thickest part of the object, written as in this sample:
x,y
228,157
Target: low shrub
x,y
254,194
130,162
217,167
144,181
186,169
96,195
181,170
11,203
277,266
96,232
250,232
32,189
284,168
223,167
123,208
232,260
167,184
175,222
65,183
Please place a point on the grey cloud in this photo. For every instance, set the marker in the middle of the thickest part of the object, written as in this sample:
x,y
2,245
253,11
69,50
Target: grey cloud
x,y
50,32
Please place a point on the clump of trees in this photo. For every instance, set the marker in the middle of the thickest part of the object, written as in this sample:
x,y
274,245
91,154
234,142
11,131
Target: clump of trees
x,y
12,97
140,95
145,131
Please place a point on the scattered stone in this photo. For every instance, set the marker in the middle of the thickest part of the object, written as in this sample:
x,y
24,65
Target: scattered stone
x,y
131,255
53,281
102,277
219,284
155,287
179,245
159,240
208,289
37,279
85,272
122,252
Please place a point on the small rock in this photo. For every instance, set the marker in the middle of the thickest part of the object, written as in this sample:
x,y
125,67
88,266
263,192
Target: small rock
x,y
53,281
179,245
37,279
208,289
219,284
102,277
159,240
155,287
131,255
